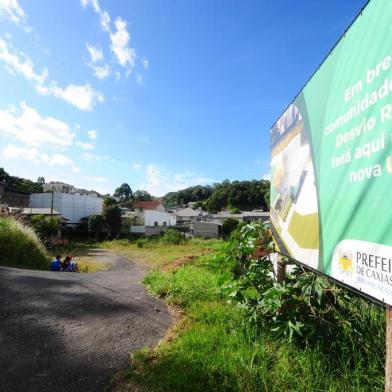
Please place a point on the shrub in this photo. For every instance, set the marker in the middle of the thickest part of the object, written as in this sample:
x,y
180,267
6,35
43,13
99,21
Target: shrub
x,y
20,245
229,225
141,242
172,237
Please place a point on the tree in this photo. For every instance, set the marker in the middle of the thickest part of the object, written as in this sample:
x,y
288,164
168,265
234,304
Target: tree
x,y
229,225
41,180
45,226
124,193
112,216
109,201
141,195
96,224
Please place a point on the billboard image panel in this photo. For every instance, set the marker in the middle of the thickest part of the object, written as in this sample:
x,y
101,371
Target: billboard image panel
x,y
331,161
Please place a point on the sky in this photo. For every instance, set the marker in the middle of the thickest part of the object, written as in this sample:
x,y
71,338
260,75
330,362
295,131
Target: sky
x,y
160,94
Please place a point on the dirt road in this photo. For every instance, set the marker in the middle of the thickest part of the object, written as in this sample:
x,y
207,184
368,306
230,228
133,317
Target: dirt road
x,y
70,332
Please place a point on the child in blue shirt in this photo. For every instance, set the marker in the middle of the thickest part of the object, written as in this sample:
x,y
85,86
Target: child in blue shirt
x,y
55,265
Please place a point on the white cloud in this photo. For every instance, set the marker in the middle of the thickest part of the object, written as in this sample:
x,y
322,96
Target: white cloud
x,y
145,63
84,97
85,146
21,64
137,166
119,41
11,10
120,44
32,129
267,177
103,15
35,156
92,134
160,181
96,53
101,72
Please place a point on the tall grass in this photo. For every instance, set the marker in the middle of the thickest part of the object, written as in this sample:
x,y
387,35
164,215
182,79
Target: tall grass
x,y
20,246
215,348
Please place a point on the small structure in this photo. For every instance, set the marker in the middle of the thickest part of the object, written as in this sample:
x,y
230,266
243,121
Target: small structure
x,y
245,216
186,216
152,222
205,229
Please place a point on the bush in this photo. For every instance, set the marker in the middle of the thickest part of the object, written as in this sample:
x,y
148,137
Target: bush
x,y
141,242
20,245
172,237
229,225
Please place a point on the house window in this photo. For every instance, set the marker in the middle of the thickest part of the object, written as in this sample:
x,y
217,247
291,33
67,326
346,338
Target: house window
x,y
155,224
164,224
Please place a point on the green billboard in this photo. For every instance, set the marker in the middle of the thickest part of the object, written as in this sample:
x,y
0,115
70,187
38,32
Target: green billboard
x,y
331,161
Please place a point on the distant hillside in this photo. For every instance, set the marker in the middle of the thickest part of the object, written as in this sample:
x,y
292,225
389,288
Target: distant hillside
x,y
20,184
244,195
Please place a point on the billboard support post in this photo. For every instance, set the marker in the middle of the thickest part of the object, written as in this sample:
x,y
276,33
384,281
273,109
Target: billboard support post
x,y
388,356
281,269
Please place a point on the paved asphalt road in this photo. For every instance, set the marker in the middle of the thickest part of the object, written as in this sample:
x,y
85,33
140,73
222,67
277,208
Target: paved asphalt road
x,y
70,332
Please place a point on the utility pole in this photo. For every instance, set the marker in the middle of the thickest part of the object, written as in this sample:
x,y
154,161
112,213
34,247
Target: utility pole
x,y
51,216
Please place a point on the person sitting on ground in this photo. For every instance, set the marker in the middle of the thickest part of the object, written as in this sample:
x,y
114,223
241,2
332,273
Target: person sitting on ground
x,y
74,265
67,267
55,265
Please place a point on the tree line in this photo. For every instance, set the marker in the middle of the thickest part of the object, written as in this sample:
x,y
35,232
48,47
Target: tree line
x,y
243,195
21,184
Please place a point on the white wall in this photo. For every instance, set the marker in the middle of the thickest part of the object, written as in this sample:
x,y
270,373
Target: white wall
x,y
150,217
71,206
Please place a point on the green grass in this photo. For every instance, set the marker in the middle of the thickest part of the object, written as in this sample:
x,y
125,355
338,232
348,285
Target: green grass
x,y
20,246
213,348
156,253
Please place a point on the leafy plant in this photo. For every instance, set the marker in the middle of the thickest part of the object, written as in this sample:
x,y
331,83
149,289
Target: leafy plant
x,y
173,237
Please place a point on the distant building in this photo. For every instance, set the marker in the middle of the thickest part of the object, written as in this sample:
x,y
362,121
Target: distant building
x,y
13,198
245,216
186,216
62,187
151,222
72,207
205,229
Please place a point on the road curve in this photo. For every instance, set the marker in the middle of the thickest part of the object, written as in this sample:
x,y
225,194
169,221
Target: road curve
x,y
70,332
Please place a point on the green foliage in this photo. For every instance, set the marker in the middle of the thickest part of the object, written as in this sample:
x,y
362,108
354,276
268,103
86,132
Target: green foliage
x,y
124,193
141,242
235,210
109,201
44,225
173,237
246,195
96,224
229,225
217,347
20,246
20,184
306,308
112,217
141,195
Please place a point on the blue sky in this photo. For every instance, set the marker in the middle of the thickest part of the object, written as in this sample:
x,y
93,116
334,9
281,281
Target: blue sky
x,y
161,94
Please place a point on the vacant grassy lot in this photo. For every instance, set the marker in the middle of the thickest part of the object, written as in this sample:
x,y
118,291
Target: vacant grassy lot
x,y
215,348
155,253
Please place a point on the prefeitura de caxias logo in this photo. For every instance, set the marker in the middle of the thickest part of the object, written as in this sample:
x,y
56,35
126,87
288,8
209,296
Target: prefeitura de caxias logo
x,y
345,262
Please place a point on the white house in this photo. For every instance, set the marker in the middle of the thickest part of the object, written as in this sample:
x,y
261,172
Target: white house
x,y
71,206
152,222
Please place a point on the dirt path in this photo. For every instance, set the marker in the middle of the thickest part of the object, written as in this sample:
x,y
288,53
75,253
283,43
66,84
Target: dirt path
x,y
70,332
